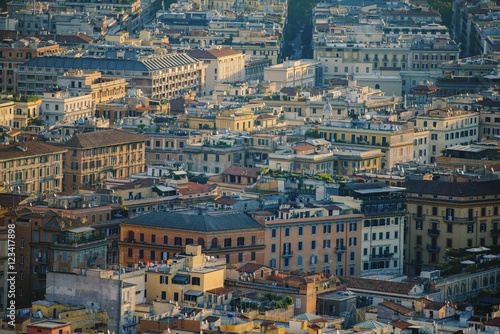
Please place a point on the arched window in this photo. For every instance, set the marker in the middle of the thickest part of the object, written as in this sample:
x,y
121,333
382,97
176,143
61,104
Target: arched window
x,y
131,236
201,242
326,259
299,261
272,264
377,86
215,243
262,273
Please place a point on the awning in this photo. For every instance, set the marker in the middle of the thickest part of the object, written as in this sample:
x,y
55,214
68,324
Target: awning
x,y
181,279
194,293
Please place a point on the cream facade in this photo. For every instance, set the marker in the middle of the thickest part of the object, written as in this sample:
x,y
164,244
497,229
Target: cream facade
x,y
61,106
304,72
7,113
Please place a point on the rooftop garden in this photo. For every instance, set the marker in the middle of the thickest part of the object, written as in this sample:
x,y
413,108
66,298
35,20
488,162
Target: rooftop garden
x,y
266,302
460,261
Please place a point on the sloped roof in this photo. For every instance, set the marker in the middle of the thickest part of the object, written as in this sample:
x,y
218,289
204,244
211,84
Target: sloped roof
x,y
251,267
306,316
192,222
397,307
220,291
26,149
401,324
241,171
59,223
378,285
304,147
494,322
371,324
435,306
103,138
225,201
213,53
11,199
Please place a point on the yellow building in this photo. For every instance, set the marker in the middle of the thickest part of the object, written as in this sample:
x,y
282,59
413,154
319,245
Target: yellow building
x,y
81,319
189,279
25,109
6,113
395,140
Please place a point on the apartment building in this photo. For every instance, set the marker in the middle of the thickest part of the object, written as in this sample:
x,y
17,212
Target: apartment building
x,y
223,65
448,127
26,107
16,53
102,89
383,226
7,113
304,72
31,167
49,242
445,214
190,278
330,244
93,157
59,106
162,76
394,139
158,236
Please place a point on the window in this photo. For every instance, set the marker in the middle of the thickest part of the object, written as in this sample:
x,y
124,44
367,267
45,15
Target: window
x,y
196,281
227,242
419,240
287,232
327,228
240,241
419,225
253,240
163,279
21,243
252,256
178,241
273,248
326,244
130,252
273,233
313,244
301,231
240,257
313,230
141,253
300,246
470,228
340,228
165,239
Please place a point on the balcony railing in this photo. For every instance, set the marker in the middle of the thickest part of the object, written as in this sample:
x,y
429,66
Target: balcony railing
x,y
418,215
340,249
459,219
287,254
381,256
433,232
495,232
432,248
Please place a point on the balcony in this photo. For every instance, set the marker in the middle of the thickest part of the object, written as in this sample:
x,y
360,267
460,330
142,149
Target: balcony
x,y
433,248
287,254
433,232
453,219
340,249
42,260
418,215
384,256
495,232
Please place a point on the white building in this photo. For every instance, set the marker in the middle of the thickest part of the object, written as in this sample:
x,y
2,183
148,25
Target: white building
x,y
304,72
61,106
223,65
421,147
448,127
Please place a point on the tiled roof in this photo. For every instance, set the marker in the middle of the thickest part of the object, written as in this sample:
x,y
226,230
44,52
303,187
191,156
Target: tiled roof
x,y
303,147
26,149
378,285
219,291
141,183
195,188
266,116
11,199
196,222
458,189
241,171
495,322
103,138
251,267
290,91
401,324
213,53
225,201
397,307
435,306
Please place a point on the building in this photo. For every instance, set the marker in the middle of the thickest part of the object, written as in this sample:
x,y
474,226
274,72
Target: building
x,y
448,127
93,157
446,214
31,167
26,108
304,72
189,278
383,226
329,244
179,72
7,112
60,106
49,327
16,53
223,65
159,235
254,68
97,289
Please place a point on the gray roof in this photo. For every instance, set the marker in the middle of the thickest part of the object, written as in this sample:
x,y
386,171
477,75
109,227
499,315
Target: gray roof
x,y
206,222
94,63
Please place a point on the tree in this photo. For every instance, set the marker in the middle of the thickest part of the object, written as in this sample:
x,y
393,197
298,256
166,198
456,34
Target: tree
x,y
141,128
38,121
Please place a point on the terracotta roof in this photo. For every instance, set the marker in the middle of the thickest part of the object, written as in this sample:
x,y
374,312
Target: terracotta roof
x,y
268,116
425,87
290,91
424,300
435,306
26,149
251,267
220,291
397,308
494,322
378,285
211,318
11,199
303,147
195,188
401,324
213,53
314,327
225,201
267,323
103,138
241,171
